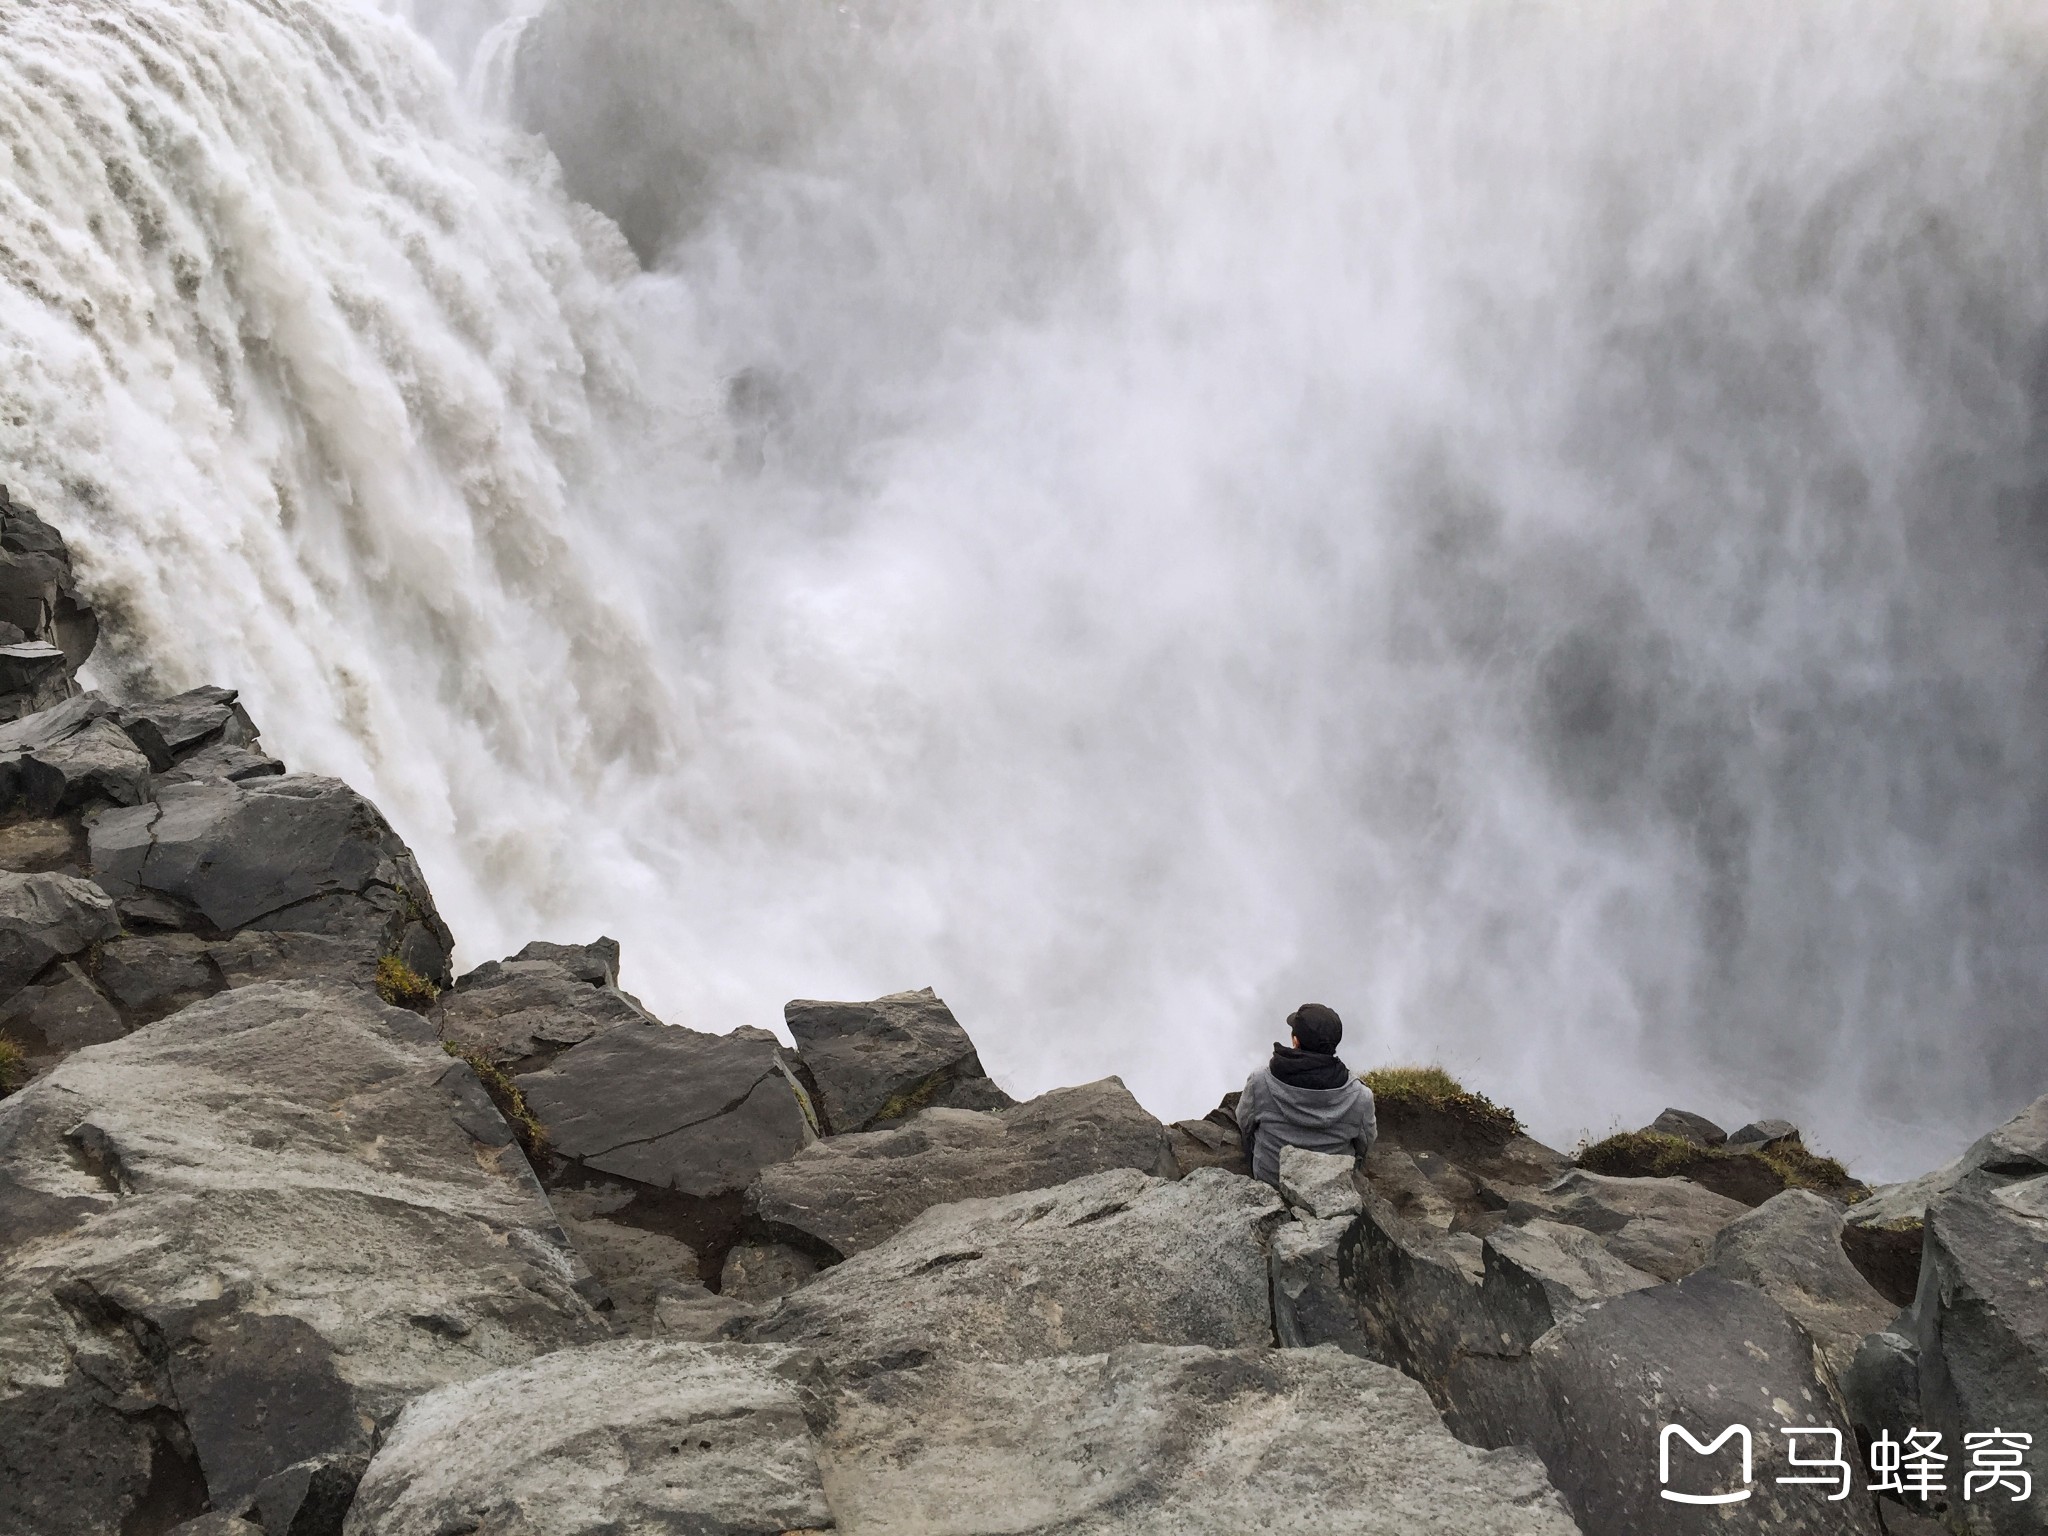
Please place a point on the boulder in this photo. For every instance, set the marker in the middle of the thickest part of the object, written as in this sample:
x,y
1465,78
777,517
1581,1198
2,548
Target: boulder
x,y
759,1272
521,1013
296,855
69,757
1687,1126
173,731
225,762
1208,1143
636,1267
877,1063
672,1109
1319,1183
628,1436
39,599
1981,1324
1310,1303
1111,1259
1662,1227
152,975
34,675
847,1193
244,1238
1881,1387
1759,1134
1149,1440
309,1498
48,917
58,1014
1790,1248
1402,1182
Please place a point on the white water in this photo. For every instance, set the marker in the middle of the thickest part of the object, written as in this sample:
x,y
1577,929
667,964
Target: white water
x,y
1523,523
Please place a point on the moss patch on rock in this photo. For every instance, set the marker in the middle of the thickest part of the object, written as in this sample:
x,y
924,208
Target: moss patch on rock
x,y
13,1066
1398,1091
1751,1176
403,987
533,1136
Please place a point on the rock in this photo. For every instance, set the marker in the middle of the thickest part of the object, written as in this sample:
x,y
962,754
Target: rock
x,y
636,1267
1790,1248
880,1062
846,1194
1206,1144
672,1109
1111,1259
1703,1353
34,675
299,855
37,593
215,1525
173,730
698,1317
69,757
1759,1134
1319,1183
1159,1441
243,1238
1687,1126
1400,1180
222,761
1881,1386
758,1272
310,1498
59,1014
521,1013
1743,1174
48,917
1310,1303
44,845
152,975
621,1437
1660,1226
1981,1324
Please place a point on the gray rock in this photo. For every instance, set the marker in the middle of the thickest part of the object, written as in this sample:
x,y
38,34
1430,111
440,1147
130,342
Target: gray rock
x,y
627,1438
1111,1259
309,1498
636,1267
1162,1441
1790,1248
1703,1353
1660,1226
1981,1324
44,845
68,757
1310,1303
294,855
1687,1126
34,676
1881,1387
243,1238
59,1014
1319,1183
672,1109
1205,1143
1759,1134
1399,1180
523,1012
880,1062
153,975
173,730
48,917
698,1317
758,1272
215,1525
848,1193
221,761
38,596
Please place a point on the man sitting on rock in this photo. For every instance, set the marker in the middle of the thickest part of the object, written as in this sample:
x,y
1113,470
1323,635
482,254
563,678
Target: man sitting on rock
x,y
1305,1097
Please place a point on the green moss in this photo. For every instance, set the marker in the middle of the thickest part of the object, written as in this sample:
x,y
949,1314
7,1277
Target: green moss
x,y
533,1136
1435,1089
910,1101
13,1066
1801,1169
403,987
1643,1154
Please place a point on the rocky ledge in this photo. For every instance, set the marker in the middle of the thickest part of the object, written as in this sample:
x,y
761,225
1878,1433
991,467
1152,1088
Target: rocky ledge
x,y
300,1233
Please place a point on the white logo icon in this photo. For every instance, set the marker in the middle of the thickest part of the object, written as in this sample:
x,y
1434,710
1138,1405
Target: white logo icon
x,y
1738,1432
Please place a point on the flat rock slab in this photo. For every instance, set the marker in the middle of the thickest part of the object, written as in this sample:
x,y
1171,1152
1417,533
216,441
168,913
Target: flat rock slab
x,y
671,1108
879,1062
245,1237
627,1438
297,854
1114,1258
848,1193
1162,1441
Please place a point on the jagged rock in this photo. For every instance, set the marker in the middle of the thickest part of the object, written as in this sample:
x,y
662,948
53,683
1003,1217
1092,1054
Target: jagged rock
x,y
1208,1143
1790,1248
38,596
1660,1226
1687,1126
1402,1182
623,1437
1703,1353
34,675
1310,1304
153,975
245,1237
299,855
39,845
48,917
880,1062
309,1498
214,1525
1759,1134
848,1193
1484,1145
1319,1183
636,1267
672,1109
172,731
69,757
1111,1259
1159,1441
224,762
1981,1322
699,1317
61,1013
759,1272
523,1012
1881,1387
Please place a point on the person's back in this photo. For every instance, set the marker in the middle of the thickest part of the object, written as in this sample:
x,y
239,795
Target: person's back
x,y
1305,1097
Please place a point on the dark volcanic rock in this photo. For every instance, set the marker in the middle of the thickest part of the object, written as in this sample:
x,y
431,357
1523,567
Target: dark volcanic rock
x,y
244,1238
172,730
297,855
1790,1248
672,1109
39,600
1761,1133
1660,1226
67,758
879,1062
523,1012
48,917
1687,1126
848,1193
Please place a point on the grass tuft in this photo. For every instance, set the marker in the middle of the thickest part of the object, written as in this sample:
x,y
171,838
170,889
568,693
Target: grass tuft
x,y
13,1066
1651,1154
533,1136
1435,1089
403,987
1643,1154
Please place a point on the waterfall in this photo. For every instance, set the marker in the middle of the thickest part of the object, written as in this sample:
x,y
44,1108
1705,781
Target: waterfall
x,y
1527,523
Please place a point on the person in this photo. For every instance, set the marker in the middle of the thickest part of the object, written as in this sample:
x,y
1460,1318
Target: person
x,y
1305,1097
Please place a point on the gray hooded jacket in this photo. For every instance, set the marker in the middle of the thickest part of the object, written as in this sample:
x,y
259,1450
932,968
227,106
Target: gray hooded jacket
x,y
1273,1114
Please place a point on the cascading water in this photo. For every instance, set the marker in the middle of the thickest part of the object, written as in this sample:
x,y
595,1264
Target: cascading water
x,y
1528,523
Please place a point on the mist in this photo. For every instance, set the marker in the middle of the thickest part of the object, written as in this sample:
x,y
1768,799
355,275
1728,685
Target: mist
x,y
1527,524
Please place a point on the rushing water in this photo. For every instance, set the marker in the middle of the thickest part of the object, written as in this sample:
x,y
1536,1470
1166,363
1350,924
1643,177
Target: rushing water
x,y
1528,523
